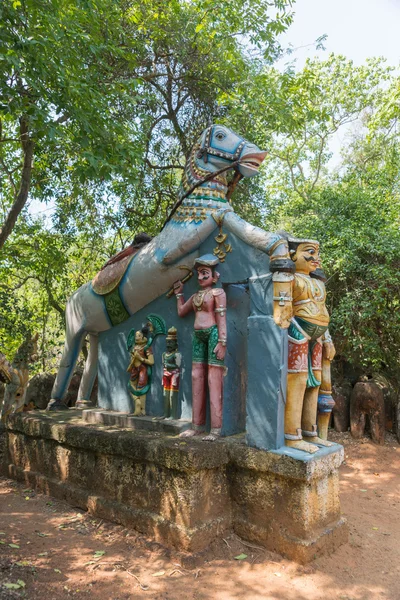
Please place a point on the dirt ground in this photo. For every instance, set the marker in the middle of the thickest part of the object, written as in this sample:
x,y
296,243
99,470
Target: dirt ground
x,y
49,550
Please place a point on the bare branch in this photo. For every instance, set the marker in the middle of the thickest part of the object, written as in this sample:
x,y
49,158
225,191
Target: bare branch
x,y
163,167
22,195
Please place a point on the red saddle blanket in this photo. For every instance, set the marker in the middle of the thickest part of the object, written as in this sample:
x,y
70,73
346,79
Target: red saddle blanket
x,y
109,278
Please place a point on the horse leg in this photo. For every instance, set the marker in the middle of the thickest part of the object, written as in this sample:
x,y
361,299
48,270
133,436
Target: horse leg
x,y
73,345
89,374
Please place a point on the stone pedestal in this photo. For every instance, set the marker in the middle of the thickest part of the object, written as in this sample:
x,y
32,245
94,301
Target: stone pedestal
x,y
288,501
181,493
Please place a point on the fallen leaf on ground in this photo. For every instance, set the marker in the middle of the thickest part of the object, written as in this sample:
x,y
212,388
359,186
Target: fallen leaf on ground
x,y
240,557
159,574
12,586
99,553
13,545
57,571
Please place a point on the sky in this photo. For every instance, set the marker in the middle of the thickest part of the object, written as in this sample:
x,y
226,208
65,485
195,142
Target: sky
x,y
356,28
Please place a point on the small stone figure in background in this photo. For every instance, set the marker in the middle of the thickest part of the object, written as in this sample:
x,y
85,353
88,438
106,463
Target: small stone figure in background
x,y
367,401
171,374
142,360
209,345
310,347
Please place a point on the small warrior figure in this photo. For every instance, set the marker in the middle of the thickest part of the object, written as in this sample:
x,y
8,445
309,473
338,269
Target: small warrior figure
x,y
310,345
209,345
142,360
171,373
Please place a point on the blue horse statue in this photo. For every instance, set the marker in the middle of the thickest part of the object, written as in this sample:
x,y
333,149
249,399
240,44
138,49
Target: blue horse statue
x,y
130,284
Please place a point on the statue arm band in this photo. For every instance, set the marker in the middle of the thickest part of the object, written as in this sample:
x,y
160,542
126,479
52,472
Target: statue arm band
x,y
327,337
283,298
220,310
179,295
223,341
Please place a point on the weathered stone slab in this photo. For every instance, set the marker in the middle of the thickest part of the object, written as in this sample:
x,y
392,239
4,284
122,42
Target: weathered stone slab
x,y
111,417
181,493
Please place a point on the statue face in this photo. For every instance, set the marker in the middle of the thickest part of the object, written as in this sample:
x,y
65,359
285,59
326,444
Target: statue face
x,y
139,337
171,345
205,276
307,258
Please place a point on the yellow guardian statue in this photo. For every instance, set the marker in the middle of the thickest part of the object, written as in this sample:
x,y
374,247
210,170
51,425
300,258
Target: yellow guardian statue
x,y
299,305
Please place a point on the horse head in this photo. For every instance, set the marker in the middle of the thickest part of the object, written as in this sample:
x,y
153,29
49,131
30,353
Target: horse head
x,y
218,150
218,147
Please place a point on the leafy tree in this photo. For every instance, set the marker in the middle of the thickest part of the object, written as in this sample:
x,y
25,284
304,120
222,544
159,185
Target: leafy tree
x,y
94,90
100,101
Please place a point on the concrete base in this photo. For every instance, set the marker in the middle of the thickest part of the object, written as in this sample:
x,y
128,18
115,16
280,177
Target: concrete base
x,y
126,420
181,493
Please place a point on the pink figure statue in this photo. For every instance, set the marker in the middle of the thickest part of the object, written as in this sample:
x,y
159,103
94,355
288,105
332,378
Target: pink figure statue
x,y
209,345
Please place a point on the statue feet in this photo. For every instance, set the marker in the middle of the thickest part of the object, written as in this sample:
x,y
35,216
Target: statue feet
x,y
188,433
213,435
301,445
319,441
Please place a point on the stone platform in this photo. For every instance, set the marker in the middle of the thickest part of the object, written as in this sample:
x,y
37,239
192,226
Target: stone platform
x,y
181,493
126,420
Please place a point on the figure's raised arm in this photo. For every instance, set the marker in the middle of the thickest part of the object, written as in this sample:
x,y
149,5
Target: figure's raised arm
x,y
273,244
183,307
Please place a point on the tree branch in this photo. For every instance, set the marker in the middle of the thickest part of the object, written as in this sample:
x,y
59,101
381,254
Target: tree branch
x,y
21,196
163,167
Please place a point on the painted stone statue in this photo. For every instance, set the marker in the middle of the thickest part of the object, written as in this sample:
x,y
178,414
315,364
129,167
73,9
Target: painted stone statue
x,y
142,360
209,345
139,369
200,212
15,375
171,375
303,295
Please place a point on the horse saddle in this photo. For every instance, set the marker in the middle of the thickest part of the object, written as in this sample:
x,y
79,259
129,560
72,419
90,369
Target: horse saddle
x,y
109,278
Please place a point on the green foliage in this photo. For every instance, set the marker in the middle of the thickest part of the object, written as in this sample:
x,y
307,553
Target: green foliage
x,y
112,94
107,96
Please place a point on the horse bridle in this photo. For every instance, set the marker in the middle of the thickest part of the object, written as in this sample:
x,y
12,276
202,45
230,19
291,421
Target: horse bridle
x,y
205,149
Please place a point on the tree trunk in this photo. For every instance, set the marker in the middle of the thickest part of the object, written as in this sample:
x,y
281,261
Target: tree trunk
x,y
22,195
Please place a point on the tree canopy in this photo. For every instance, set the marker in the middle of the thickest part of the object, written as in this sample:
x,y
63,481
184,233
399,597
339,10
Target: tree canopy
x,y
100,102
